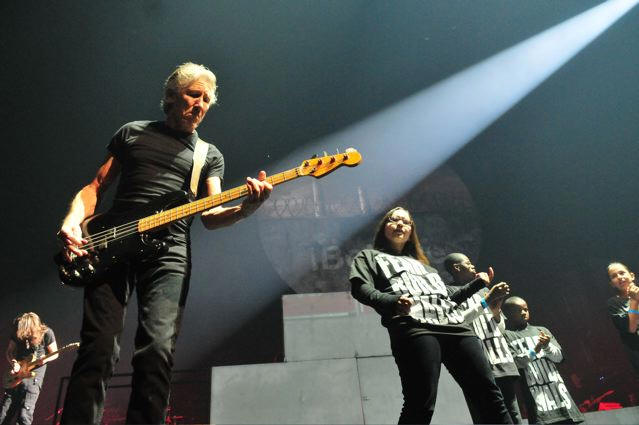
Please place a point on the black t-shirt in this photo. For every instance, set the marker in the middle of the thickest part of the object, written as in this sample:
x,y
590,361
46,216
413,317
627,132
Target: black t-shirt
x,y
378,279
618,311
545,393
26,351
157,160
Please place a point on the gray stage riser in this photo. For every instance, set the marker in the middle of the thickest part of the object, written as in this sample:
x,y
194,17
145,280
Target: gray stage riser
x,y
344,391
338,370
339,391
312,392
331,326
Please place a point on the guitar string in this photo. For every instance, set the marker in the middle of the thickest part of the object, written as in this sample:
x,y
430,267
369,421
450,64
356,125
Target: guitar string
x,y
167,212
131,228
272,179
103,236
128,229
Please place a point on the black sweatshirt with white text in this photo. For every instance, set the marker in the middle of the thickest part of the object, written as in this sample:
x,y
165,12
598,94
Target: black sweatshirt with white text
x,y
378,279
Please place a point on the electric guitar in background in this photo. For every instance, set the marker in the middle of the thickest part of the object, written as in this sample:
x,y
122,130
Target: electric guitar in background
x,y
27,366
115,239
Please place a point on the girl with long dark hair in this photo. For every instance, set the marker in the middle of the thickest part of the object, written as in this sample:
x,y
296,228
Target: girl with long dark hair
x,y
425,325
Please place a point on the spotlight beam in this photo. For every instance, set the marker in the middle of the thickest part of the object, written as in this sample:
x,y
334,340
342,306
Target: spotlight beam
x,y
424,130
407,141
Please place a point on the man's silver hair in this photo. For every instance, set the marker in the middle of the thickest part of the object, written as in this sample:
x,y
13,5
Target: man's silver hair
x,y
181,78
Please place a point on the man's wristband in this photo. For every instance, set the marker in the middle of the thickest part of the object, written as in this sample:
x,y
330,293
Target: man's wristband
x,y
484,303
631,311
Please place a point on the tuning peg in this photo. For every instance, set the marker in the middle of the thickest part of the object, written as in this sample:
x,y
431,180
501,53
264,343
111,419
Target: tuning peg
x,y
314,156
325,154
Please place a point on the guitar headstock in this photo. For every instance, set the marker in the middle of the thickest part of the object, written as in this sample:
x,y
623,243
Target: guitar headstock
x,y
320,166
71,346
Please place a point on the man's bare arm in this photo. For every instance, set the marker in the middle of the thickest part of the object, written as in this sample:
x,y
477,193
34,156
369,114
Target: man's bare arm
x,y
84,204
259,191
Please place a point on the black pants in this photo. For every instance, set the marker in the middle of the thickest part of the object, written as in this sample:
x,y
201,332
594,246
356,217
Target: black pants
x,y
507,386
21,400
161,288
419,361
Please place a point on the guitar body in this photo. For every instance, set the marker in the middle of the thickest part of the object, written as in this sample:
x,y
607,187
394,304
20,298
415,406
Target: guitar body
x,y
26,371
27,366
113,242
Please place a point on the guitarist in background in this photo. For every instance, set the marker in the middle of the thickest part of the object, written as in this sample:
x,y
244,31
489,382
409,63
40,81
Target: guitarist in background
x,y
152,158
31,338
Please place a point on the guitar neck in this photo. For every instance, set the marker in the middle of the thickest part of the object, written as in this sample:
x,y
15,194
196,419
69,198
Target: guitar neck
x,y
183,211
46,356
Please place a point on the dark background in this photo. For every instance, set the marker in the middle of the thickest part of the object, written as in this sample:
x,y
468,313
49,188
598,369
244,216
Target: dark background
x,y
553,180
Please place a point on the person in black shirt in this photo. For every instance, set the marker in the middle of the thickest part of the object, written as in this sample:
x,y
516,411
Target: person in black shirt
x,y
31,340
488,324
425,325
151,158
536,353
623,309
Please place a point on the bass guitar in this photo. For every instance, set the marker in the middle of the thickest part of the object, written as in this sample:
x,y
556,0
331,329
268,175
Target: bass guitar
x,y
11,380
117,239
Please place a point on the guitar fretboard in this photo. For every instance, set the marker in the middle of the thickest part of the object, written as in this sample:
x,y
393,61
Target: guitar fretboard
x,y
183,211
61,350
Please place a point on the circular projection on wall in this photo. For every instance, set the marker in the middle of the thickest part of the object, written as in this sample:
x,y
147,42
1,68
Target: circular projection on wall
x,y
310,229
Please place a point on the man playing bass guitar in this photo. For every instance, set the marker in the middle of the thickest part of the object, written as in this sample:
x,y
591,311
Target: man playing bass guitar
x,y
30,339
152,159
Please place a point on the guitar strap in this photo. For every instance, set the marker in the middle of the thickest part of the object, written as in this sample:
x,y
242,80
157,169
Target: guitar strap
x,y
199,156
